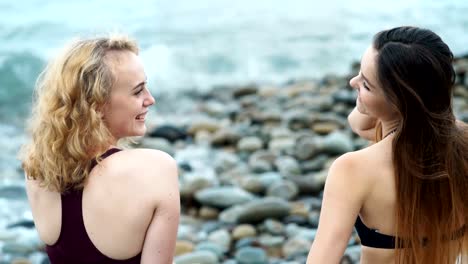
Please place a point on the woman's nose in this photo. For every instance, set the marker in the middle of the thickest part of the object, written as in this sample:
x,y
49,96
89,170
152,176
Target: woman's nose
x,y
149,100
352,82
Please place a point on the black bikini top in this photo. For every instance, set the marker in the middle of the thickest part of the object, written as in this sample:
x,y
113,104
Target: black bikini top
x,y
372,238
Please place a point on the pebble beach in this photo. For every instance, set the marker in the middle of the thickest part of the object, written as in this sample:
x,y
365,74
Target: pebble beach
x,y
253,160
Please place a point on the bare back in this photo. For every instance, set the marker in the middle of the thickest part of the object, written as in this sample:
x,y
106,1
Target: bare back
x,y
378,209
119,203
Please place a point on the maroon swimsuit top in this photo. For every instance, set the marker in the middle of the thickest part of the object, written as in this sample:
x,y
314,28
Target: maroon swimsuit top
x,y
74,245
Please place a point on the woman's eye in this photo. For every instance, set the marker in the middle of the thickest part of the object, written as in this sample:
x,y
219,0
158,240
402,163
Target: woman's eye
x,y
365,86
138,92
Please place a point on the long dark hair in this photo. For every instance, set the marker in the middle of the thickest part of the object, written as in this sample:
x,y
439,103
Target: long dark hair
x,y
430,151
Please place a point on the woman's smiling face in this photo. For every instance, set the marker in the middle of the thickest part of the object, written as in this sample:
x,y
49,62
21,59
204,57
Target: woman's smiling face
x,y
371,99
125,112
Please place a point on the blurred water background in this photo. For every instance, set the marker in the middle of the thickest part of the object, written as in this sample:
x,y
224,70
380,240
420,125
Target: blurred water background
x,y
204,44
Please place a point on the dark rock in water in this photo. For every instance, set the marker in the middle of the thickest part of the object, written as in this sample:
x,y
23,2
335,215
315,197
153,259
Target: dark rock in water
x,y
22,223
169,132
13,192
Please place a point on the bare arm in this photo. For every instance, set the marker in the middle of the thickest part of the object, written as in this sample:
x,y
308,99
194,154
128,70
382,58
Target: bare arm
x,y
362,124
343,197
159,244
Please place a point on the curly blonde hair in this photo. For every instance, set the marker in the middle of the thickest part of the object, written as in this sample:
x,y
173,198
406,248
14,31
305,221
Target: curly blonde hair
x,y
67,129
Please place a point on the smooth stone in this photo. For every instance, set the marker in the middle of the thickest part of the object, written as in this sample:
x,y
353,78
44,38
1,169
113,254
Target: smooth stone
x,y
183,247
305,148
287,166
274,227
206,124
268,178
208,213
231,214
210,246
211,226
189,188
299,208
243,231
226,161
216,109
336,143
272,116
169,132
301,88
262,209
225,137
245,242
251,255
250,144
282,144
221,237
315,164
252,184
260,166
296,246
223,196
200,257
271,241
293,230
324,128
296,219
186,232
311,183
283,189
298,119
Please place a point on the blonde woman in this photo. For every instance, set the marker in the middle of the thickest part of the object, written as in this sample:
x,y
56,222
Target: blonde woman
x,y
93,202
406,195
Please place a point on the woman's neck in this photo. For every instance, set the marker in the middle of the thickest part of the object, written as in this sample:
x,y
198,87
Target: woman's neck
x,y
388,127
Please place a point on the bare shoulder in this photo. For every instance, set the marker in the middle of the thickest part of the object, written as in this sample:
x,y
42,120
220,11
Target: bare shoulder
x,y
357,166
140,161
145,170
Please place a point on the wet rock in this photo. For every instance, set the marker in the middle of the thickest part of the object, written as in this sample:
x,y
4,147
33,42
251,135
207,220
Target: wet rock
x,y
201,257
223,196
286,190
262,209
243,231
169,132
183,247
251,255
250,144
